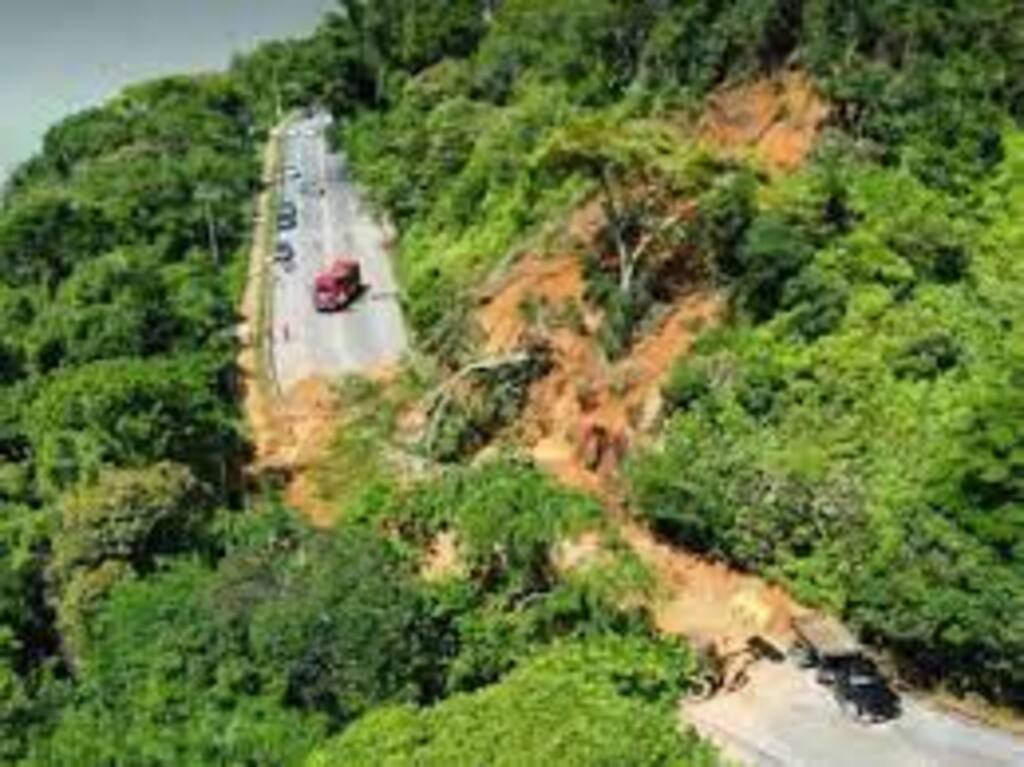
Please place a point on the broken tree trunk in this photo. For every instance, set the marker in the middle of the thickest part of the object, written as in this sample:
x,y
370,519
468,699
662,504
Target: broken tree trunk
x,y
636,255
441,397
615,222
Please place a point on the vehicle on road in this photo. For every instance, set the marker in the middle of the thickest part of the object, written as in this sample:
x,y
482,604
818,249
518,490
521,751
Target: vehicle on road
x,y
337,286
862,692
284,252
840,663
287,215
291,172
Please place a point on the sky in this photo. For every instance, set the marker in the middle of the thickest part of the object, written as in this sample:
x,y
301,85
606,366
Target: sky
x,y
60,56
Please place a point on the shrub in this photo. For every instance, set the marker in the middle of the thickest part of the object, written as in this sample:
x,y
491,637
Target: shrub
x,y
604,701
773,252
927,357
687,385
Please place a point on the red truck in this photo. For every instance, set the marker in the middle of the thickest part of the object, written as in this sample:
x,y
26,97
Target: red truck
x,y
337,286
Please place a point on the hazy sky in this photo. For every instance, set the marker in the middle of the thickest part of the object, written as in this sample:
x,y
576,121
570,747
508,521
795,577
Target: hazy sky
x,y
58,56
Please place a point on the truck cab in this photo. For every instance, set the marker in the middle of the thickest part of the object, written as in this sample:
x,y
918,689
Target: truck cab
x,y
337,286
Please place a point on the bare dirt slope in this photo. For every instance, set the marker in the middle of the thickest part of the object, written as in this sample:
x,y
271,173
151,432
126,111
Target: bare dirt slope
x,y
300,428
776,119
587,413
584,415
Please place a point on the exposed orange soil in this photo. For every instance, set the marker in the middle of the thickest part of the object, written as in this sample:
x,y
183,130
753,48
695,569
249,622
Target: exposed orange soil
x,y
705,601
308,417
710,603
290,434
778,119
584,394
583,416
556,280
586,413
579,553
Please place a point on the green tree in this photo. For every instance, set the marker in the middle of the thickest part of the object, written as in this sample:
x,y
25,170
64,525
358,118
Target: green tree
x,y
131,412
164,682
114,529
602,702
347,630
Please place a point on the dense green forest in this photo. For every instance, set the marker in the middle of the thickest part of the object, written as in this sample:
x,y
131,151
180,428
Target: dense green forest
x,y
854,429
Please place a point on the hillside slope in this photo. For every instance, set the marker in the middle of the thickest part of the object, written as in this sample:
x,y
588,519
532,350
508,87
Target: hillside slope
x,y
724,293
838,431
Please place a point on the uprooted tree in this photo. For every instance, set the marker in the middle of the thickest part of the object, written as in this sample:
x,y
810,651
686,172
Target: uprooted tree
x,y
626,162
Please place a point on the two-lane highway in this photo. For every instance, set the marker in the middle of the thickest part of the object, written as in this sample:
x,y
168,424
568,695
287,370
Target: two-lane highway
x,y
332,222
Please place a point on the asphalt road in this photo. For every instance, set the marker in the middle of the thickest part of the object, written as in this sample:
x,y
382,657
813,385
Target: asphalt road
x,y
370,332
784,718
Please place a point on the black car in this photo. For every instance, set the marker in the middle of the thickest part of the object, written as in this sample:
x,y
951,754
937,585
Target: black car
x,y
287,215
830,668
284,252
862,692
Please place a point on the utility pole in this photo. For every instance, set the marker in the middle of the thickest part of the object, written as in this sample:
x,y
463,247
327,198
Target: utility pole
x,y
277,92
207,196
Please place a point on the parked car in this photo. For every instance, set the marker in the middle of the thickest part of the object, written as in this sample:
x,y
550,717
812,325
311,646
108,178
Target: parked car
x,y
842,665
287,215
862,692
284,251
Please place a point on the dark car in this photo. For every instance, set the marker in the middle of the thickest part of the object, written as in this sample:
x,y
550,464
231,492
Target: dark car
x,y
284,252
830,668
287,215
862,692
